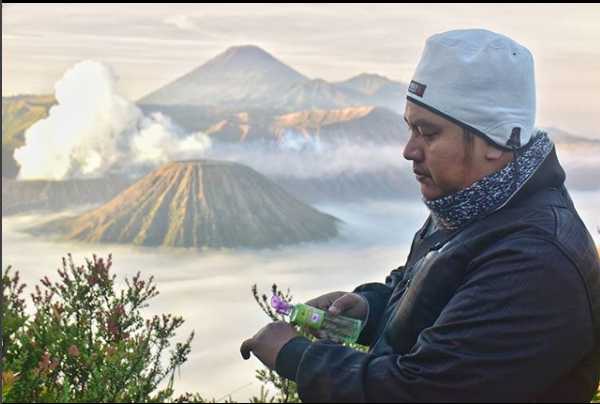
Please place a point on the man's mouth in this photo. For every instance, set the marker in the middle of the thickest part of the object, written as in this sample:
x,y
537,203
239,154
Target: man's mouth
x,y
421,176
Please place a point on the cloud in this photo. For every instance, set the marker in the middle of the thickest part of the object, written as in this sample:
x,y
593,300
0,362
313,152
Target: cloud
x,y
182,22
293,141
308,157
93,131
160,140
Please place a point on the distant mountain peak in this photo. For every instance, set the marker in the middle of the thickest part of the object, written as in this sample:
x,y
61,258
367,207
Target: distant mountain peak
x,y
244,55
245,74
247,50
370,76
366,83
317,84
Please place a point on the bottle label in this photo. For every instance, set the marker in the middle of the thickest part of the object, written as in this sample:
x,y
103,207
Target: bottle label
x,y
334,328
307,316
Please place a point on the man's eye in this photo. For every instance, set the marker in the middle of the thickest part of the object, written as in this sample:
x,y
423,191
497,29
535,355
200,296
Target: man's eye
x,y
427,134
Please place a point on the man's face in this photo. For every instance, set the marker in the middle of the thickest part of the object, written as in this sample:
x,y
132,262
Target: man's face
x,y
441,161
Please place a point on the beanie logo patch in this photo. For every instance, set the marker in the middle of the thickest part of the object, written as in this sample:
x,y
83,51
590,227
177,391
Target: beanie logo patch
x,y
417,88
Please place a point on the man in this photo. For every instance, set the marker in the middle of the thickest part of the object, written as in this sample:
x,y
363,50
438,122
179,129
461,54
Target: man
x,y
499,299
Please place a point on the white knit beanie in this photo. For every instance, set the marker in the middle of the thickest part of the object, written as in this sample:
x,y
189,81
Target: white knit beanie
x,y
480,80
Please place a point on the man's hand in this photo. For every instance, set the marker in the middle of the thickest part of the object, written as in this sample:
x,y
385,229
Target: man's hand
x,y
344,303
267,343
347,304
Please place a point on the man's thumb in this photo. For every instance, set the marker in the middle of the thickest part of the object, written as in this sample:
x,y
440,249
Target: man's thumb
x,y
246,348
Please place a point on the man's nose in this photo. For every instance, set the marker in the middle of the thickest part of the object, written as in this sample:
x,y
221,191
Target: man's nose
x,y
412,151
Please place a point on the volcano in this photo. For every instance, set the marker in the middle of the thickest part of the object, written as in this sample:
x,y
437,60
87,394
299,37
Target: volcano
x,y
200,203
245,75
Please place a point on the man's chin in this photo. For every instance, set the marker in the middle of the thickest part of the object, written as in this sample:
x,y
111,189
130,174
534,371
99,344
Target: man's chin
x,y
430,193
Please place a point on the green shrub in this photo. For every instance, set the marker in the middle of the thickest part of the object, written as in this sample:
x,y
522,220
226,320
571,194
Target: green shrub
x,y
85,342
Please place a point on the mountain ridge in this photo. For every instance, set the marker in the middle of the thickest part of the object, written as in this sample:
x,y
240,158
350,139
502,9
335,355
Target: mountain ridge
x,y
247,76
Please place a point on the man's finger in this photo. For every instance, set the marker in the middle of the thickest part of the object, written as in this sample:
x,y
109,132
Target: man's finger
x,y
342,304
323,302
246,348
319,302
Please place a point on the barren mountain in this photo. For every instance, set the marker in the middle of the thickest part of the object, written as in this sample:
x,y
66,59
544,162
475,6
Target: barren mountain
x,y
365,83
352,124
242,75
248,77
380,90
318,94
200,203
355,124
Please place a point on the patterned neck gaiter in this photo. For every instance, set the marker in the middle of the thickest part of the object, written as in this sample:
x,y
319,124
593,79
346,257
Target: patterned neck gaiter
x,y
493,191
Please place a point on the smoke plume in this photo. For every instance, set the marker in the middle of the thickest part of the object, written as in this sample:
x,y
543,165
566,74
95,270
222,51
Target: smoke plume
x,y
94,131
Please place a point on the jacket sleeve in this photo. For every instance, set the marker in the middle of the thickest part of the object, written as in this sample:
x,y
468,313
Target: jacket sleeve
x,y
519,321
377,296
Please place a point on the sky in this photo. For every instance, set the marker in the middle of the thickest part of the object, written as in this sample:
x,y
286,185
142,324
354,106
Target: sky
x,y
149,45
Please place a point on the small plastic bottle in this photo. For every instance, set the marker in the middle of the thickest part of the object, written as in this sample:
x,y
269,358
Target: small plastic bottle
x,y
334,328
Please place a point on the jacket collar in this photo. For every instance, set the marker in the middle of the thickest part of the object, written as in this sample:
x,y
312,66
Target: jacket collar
x,y
550,174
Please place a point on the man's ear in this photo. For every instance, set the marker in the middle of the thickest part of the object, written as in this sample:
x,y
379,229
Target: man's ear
x,y
493,153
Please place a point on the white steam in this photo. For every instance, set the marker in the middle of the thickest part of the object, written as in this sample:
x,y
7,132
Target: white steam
x,y
160,139
293,141
311,159
93,131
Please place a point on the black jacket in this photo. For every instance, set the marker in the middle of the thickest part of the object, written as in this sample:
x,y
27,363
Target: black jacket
x,y
508,309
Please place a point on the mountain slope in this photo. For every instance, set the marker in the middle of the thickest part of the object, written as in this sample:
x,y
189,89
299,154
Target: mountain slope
x,y
318,94
245,75
355,124
200,203
35,195
351,124
365,83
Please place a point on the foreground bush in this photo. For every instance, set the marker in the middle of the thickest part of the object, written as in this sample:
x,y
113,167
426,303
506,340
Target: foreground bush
x,y
86,342
83,341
